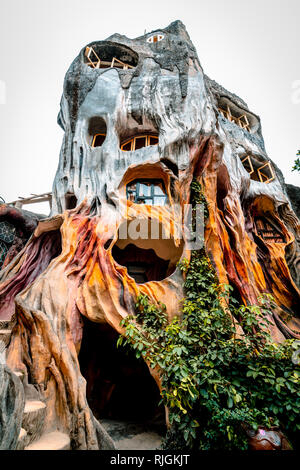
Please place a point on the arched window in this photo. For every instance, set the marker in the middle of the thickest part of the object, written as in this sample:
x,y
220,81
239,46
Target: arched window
x,y
155,38
138,142
144,191
237,115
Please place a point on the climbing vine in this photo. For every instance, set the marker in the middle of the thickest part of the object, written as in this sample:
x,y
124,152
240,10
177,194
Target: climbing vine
x,y
216,382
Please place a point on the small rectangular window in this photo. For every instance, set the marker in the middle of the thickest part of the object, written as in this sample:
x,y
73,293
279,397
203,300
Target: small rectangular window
x,y
158,190
140,142
153,140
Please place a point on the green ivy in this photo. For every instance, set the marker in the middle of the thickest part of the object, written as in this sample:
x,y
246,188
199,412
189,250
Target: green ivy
x,y
215,382
297,163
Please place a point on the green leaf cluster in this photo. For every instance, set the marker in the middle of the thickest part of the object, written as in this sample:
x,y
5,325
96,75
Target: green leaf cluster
x,y
215,382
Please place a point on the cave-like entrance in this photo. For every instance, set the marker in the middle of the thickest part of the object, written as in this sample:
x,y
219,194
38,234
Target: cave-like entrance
x,y
120,388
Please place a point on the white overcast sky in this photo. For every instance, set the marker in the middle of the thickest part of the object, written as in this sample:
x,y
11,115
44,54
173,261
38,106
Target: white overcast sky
x,y
251,47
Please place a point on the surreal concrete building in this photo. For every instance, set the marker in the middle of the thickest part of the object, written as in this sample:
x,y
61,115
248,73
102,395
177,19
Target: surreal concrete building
x,y
141,120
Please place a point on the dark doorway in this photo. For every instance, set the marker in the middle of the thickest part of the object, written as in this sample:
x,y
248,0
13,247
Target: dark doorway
x,y
119,386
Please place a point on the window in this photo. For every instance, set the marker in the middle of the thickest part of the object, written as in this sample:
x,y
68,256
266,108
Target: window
x,y
150,192
267,175
7,236
143,264
71,201
155,38
268,231
98,140
138,142
257,171
7,232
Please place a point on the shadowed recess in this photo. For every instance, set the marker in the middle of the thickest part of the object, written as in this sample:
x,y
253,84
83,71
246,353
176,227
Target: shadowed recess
x,y
119,386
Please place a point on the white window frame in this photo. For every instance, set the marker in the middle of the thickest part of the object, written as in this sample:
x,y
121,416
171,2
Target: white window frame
x,y
160,37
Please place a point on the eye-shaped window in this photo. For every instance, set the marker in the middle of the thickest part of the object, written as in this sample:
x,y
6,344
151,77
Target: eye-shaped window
x,y
138,142
144,191
98,140
155,38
